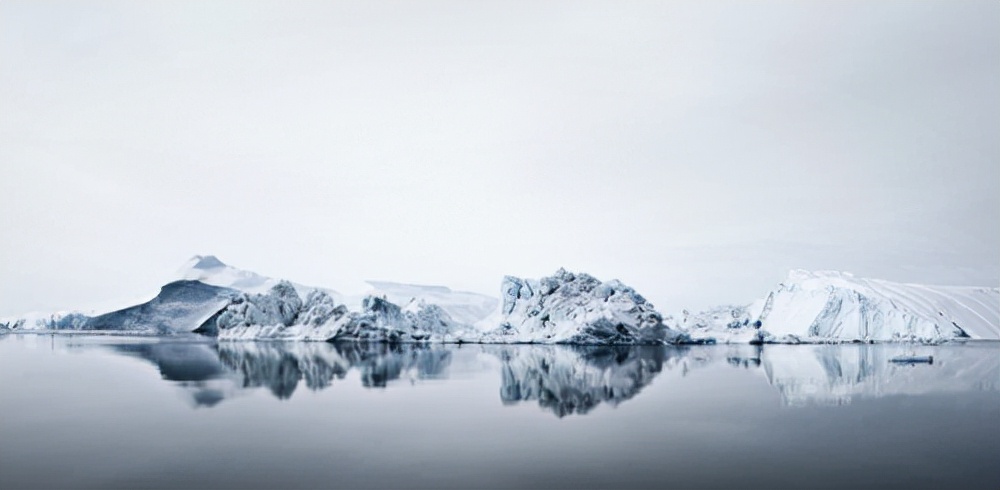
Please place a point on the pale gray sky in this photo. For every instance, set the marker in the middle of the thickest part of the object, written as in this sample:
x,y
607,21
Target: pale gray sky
x,y
694,150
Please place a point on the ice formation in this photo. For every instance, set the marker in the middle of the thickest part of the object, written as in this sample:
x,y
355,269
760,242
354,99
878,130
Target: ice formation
x,y
838,307
463,307
215,299
180,306
45,321
577,309
280,314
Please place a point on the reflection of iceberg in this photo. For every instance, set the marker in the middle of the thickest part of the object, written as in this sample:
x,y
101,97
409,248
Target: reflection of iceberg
x,y
210,373
280,365
380,363
830,374
567,379
575,379
194,366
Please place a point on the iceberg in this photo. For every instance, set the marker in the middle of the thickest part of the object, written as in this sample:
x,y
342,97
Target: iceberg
x,y
817,307
181,306
729,324
71,320
463,307
573,308
280,314
215,299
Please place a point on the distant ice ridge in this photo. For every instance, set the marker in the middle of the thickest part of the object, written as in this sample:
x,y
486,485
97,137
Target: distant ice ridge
x,y
577,309
838,307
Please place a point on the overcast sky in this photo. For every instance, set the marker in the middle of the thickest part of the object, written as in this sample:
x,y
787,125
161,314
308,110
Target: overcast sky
x,y
694,150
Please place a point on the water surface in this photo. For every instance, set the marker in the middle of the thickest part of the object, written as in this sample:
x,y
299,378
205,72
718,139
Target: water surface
x,y
118,412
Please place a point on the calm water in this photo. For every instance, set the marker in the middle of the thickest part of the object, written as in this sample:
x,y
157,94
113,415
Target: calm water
x,y
114,412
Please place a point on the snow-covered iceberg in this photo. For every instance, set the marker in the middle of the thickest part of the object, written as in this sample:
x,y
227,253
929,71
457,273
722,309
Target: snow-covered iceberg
x,y
216,299
68,320
565,308
463,307
181,306
838,307
728,324
577,309
280,314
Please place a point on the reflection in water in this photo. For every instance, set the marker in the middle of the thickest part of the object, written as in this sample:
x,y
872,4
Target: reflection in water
x,y
575,379
837,374
279,365
195,367
279,368
570,379
381,363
